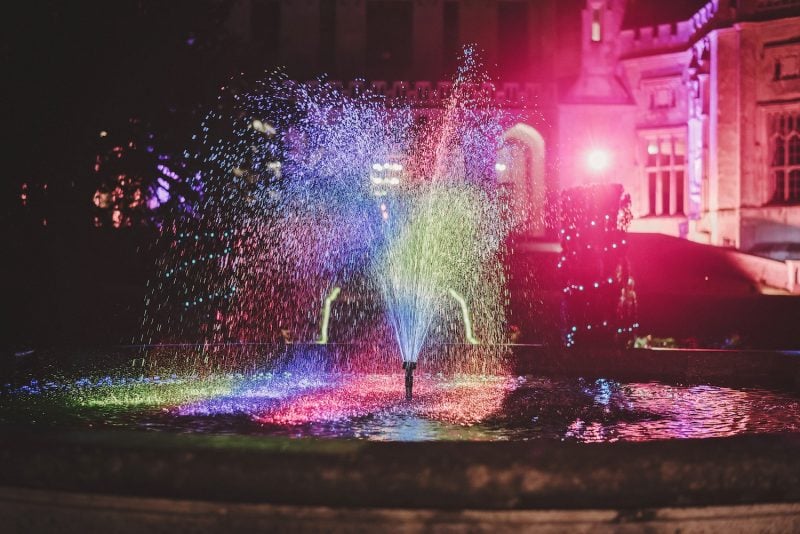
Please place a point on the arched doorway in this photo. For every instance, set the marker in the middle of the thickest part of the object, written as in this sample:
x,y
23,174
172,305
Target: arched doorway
x,y
520,168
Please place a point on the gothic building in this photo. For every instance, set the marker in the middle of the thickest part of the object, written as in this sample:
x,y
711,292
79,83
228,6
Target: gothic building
x,y
694,106
698,111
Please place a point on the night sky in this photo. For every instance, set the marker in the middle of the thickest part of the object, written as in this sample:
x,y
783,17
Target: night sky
x,y
73,68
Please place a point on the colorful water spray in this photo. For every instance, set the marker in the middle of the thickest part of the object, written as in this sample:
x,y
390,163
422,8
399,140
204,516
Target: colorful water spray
x,y
375,213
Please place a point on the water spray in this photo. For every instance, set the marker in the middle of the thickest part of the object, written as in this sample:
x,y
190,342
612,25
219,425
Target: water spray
x,y
305,184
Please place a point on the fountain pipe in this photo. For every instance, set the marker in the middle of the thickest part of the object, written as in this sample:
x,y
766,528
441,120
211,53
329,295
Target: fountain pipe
x,y
409,367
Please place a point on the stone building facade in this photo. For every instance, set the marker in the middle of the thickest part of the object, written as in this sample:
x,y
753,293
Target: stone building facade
x,y
694,106
706,138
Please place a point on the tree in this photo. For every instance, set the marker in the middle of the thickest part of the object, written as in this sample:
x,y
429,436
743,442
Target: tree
x,y
599,300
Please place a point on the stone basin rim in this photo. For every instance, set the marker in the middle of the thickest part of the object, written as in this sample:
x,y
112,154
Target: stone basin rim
x,y
748,469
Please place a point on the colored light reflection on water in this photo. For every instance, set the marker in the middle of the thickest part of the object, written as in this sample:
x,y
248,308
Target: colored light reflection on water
x,y
371,406
461,401
694,412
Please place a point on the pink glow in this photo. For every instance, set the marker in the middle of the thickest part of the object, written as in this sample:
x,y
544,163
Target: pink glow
x,y
462,401
598,160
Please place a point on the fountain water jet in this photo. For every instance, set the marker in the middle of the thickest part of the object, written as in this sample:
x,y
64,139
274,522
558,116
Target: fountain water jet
x,y
349,192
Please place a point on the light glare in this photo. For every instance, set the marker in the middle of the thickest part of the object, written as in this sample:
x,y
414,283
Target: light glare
x,y
598,160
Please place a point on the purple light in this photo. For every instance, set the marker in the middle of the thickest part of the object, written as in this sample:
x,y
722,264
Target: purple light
x,y
162,195
166,171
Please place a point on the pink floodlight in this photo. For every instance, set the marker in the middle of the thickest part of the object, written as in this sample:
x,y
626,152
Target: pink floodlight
x,y
598,160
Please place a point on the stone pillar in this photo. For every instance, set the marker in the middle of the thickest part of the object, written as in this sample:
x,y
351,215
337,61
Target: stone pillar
x,y
351,38
427,39
750,76
725,149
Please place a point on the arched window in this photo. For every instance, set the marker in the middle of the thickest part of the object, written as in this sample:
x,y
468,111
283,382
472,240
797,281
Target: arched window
x,y
784,157
513,169
521,173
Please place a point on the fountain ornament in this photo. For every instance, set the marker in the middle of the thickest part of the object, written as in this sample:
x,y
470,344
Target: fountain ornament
x,y
308,192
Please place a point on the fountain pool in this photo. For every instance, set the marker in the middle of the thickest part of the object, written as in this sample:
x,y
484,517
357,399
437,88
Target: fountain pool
x,y
662,440
347,210
311,392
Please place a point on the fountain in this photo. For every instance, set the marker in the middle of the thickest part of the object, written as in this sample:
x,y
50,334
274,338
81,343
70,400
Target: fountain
x,y
320,212
310,193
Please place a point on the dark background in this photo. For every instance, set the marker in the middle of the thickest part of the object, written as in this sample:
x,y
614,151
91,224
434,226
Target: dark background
x,y
72,69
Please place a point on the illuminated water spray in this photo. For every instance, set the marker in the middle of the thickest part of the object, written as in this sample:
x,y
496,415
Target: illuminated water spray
x,y
323,209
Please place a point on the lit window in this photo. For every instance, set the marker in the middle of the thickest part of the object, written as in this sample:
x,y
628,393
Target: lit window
x,y
665,174
784,168
597,28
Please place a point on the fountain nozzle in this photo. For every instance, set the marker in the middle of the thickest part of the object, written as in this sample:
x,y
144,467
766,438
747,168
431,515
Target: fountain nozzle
x,y
409,367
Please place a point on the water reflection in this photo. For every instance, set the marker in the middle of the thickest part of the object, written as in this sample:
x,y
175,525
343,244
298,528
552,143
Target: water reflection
x,y
690,412
363,406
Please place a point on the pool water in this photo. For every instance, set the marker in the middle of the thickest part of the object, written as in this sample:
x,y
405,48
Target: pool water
x,y
372,407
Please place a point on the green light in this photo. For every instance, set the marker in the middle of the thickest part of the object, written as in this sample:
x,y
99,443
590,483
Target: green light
x,y
465,315
326,315
154,394
446,244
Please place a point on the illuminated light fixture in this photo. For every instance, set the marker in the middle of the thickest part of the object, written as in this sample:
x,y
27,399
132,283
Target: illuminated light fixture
x,y
500,167
388,167
597,27
263,127
598,160
162,195
465,316
326,315
103,133
168,173
381,181
652,149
